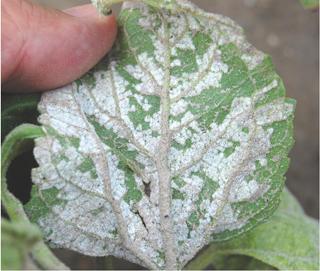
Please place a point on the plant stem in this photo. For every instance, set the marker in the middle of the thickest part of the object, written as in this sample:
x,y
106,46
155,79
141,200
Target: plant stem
x,y
18,141
108,263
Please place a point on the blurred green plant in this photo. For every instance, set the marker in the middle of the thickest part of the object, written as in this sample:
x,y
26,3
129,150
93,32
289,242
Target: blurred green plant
x,y
17,239
310,4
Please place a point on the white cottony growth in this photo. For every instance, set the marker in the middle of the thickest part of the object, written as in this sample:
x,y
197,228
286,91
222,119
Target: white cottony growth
x,y
177,138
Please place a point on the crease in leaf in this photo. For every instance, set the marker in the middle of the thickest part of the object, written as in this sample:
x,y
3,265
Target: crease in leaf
x,y
179,137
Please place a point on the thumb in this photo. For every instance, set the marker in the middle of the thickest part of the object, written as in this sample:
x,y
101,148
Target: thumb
x,y
46,48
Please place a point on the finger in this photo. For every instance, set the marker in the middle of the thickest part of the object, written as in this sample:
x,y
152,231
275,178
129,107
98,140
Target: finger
x,y
46,48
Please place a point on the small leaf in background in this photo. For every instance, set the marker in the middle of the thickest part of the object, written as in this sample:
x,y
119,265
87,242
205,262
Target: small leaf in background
x,y
17,109
289,241
310,4
177,138
16,241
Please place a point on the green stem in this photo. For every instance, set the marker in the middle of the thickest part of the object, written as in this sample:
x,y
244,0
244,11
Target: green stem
x,y
108,263
18,141
45,258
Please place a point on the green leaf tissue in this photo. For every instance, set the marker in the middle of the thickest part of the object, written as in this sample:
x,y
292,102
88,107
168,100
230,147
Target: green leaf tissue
x,y
176,139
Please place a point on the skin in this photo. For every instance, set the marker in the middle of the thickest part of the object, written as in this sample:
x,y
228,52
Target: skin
x,y
45,48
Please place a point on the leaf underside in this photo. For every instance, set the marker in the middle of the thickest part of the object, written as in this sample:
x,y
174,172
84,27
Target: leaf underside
x,y
177,138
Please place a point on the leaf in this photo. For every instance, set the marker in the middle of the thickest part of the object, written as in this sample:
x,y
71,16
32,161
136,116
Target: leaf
x,y
310,4
17,109
177,138
289,241
237,262
16,241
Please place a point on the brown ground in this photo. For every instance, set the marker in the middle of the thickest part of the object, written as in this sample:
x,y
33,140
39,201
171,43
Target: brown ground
x,y
290,34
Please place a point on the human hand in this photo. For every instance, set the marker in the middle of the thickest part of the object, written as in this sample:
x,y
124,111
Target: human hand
x,y
45,48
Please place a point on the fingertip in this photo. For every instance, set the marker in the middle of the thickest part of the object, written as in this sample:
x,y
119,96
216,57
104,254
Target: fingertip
x,y
89,12
85,11
62,48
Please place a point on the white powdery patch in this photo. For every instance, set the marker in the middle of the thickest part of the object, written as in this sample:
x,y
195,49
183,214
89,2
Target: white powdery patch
x,y
175,63
218,66
177,86
181,209
86,208
146,106
145,138
212,140
49,172
70,192
181,232
66,118
207,74
253,60
134,225
148,20
135,71
77,212
211,79
153,254
242,190
213,206
151,217
102,93
82,180
160,47
178,25
231,36
150,65
186,43
69,236
194,24
228,221
88,143
116,176
206,25
147,86
179,158
119,82
178,108
65,169
42,150
260,92
88,105
275,111
203,62
64,102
